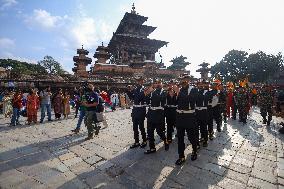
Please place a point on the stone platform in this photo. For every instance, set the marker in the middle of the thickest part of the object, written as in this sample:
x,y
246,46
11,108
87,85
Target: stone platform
x,y
48,156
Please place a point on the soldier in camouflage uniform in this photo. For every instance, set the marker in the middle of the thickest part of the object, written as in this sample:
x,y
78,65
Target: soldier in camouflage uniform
x,y
265,104
242,101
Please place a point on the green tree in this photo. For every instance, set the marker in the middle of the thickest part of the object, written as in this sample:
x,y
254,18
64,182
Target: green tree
x,y
258,67
178,63
232,67
20,68
51,66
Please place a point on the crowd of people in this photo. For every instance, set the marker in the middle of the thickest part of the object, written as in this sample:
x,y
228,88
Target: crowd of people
x,y
185,106
194,108
27,103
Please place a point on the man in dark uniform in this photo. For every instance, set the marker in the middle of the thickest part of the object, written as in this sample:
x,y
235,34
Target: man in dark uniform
x,y
138,114
186,119
214,112
170,110
201,111
155,116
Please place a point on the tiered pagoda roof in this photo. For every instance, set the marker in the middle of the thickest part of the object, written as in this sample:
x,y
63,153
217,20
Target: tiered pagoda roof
x,y
102,52
81,59
204,67
131,35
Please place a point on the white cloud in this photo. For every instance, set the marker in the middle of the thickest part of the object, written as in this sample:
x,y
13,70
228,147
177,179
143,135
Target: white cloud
x,y
43,19
6,43
85,32
7,3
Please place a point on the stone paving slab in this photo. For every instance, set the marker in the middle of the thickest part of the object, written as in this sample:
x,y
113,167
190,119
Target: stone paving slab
x,y
50,156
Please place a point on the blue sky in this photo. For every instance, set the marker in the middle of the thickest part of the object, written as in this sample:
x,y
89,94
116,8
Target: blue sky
x,y
202,30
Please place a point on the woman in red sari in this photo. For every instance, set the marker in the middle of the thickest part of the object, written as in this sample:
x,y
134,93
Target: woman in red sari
x,y
32,106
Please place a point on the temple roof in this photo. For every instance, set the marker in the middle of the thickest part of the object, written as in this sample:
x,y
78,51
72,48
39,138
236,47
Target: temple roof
x,y
82,51
204,64
133,18
203,69
136,43
86,60
134,29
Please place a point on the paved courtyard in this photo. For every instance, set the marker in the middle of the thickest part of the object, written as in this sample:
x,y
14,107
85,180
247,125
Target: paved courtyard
x,y
48,156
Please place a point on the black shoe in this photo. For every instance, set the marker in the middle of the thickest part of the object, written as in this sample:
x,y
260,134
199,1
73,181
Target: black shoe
x,y
150,151
76,131
89,137
135,145
180,161
143,144
50,120
41,121
264,121
205,144
234,118
167,146
193,156
219,129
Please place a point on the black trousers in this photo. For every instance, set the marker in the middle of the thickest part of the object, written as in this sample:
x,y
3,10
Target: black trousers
x,y
214,113
201,119
138,123
171,121
266,110
151,127
242,113
234,111
186,122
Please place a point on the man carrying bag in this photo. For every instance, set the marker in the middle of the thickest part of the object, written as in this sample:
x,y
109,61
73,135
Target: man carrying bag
x,y
91,102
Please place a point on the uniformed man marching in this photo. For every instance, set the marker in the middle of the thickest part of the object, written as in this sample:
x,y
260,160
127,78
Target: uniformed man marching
x,y
138,114
214,112
201,111
170,110
155,116
186,119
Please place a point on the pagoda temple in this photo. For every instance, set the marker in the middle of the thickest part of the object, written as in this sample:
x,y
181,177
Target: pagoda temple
x,y
204,70
102,54
131,40
81,62
130,52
